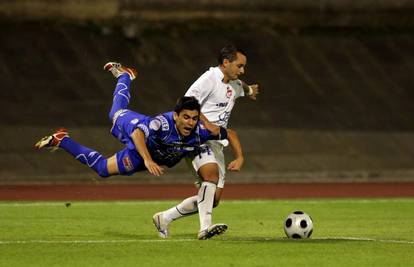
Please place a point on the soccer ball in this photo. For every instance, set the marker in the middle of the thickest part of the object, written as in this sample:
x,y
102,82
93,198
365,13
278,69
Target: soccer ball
x,y
298,225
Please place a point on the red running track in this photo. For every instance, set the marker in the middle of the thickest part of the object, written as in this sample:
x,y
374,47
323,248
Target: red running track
x,y
231,191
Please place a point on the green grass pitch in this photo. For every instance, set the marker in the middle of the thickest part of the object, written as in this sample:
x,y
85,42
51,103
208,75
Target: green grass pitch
x,y
347,232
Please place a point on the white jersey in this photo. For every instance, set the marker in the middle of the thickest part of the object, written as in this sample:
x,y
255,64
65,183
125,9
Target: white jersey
x,y
216,98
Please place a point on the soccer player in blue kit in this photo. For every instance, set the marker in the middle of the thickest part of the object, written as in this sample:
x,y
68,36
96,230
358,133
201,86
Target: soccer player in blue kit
x,y
150,142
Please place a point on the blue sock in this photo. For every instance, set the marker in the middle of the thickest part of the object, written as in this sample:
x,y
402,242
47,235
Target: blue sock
x,y
121,95
87,156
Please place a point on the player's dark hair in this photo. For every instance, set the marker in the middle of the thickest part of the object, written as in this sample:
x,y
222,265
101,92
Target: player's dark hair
x,y
187,102
229,52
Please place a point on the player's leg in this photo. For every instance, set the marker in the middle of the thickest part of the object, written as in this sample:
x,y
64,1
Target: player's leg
x,y
124,76
217,149
121,95
189,205
85,155
217,196
185,208
216,172
206,195
162,219
202,202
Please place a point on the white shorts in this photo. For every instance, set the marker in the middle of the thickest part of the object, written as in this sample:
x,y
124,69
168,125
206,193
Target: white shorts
x,y
213,154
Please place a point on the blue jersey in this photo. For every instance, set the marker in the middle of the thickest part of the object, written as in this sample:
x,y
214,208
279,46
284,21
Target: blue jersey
x,y
165,144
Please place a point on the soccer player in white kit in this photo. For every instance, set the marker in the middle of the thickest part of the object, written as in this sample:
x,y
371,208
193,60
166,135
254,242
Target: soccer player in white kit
x,y
216,90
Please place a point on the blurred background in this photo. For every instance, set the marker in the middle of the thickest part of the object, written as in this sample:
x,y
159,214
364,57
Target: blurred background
x,y
336,80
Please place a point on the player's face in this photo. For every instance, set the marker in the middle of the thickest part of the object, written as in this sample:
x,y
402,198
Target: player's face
x,y
186,120
235,68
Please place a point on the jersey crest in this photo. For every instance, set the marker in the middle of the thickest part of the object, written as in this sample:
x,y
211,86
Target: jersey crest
x,y
155,124
229,92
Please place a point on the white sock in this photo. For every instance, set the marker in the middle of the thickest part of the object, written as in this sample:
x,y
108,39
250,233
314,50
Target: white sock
x,y
187,207
205,200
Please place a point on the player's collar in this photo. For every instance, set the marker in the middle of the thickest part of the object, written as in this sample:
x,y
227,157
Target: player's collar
x,y
218,73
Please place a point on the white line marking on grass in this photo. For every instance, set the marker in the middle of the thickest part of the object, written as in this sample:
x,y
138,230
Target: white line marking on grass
x,y
366,239
120,241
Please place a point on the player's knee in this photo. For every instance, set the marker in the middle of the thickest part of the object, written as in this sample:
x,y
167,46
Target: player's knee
x,y
209,172
212,177
101,168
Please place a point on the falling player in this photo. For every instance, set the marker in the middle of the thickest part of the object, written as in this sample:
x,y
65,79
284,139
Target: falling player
x,y
150,142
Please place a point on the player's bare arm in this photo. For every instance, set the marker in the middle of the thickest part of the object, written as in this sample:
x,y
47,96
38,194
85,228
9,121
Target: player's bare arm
x,y
138,138
234,141
214,129
251,91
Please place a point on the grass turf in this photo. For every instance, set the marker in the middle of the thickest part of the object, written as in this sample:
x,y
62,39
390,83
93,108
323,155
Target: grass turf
x,y
347,232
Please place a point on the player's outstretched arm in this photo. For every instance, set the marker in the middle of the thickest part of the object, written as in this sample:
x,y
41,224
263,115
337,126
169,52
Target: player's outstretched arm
x,y
251,91
138,138
214,129
238,161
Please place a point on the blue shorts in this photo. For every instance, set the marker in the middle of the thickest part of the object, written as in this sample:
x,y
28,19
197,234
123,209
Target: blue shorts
x,y
128,159
129,162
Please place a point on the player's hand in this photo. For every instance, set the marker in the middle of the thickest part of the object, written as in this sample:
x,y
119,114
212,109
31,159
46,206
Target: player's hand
x,y
236,164
154,168
255,89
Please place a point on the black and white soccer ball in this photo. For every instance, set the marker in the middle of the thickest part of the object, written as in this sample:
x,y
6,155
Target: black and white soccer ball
x,y
298,225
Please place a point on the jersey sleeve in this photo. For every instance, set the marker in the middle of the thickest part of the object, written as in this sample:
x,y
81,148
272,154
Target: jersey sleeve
x,y
201,89
150,127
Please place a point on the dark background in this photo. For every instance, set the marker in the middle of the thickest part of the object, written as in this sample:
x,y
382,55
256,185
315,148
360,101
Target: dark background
x,y
335,76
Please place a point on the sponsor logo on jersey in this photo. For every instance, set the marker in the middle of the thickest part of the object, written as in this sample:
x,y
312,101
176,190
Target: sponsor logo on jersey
x,y
222,105
224,117
178,145
144,128
127,164
164,123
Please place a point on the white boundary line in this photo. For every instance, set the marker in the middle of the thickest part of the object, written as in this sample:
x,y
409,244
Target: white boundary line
x,y
114,241
366,239
12,242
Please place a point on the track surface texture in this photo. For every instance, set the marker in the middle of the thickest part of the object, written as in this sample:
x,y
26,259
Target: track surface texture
x,y
231,191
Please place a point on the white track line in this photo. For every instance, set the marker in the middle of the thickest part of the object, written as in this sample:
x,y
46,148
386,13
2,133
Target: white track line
x,y
116,241
366,239
14,242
